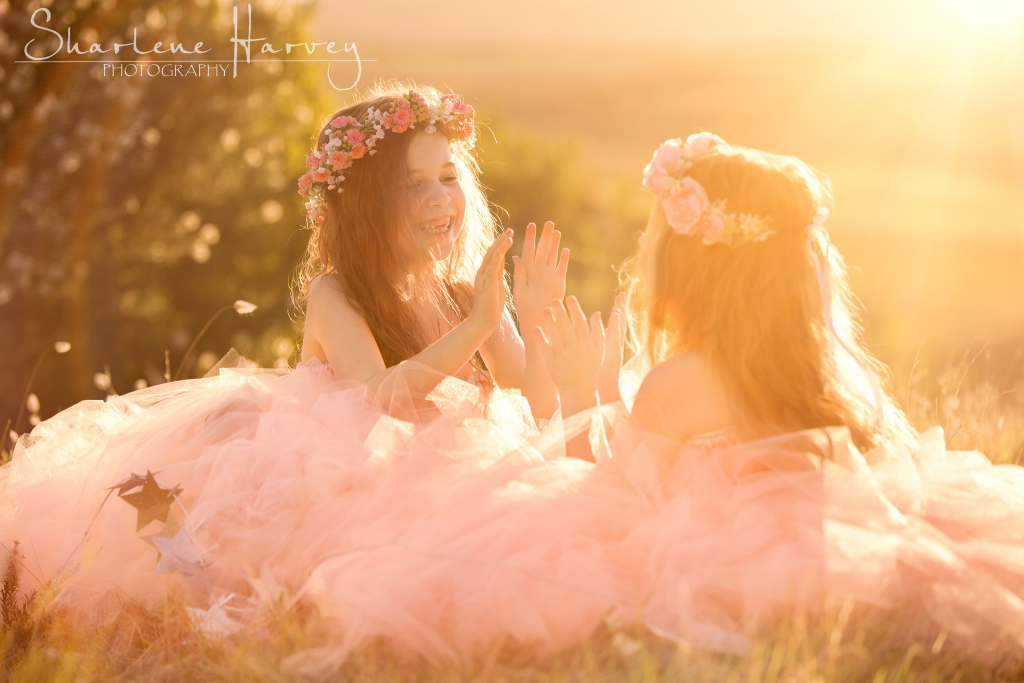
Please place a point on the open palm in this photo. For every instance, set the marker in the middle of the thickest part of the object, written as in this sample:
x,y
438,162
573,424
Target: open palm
x,y
538,275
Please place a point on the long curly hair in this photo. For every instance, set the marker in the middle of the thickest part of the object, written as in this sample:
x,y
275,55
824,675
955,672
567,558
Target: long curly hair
x,y
755,311
368,240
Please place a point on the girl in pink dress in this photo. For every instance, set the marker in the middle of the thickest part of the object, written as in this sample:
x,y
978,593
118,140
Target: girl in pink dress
x,y
762,467
240,485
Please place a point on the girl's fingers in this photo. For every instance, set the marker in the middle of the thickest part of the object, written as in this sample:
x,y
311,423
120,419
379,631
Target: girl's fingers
x,y
562,322
529,248
494,258
621,329
556,238
544,245
500,246
613,324
597,331
544,345
620,316
563,264
518,271
579,320
500,239
504,246
552,330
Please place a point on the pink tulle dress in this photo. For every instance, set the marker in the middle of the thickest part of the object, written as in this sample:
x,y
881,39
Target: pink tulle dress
x,y
434,513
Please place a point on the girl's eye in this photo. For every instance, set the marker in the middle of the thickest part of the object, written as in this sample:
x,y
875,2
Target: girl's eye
x,y
450,179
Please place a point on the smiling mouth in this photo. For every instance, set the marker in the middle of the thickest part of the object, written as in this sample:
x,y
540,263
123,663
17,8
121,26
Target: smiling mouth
x,y
437,226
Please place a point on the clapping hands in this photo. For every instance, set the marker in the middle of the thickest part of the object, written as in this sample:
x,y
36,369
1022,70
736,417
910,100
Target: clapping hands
x,y
538,276
573,352
488,287
614,338
583,359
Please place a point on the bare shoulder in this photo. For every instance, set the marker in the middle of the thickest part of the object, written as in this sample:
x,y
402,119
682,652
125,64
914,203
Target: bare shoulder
x,y
327,299
682,396
684,369
328,312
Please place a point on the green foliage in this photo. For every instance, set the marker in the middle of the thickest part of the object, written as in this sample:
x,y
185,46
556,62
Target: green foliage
x,y
536,180
132,208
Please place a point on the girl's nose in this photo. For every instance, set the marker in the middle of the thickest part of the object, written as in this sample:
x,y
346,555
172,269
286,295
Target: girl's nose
x,y
437,196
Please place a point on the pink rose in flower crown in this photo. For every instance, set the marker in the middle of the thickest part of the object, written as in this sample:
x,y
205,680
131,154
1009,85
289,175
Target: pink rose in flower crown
x,y
685,207
321,174
399,128
713,229
354,137
458,106
663,184
402,116
387,120
358,151
305,182
340,122
665,161
338,159
314,160
467,130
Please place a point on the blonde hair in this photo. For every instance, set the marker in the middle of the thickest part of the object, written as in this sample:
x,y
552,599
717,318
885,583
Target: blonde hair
x,y
755,312
360,238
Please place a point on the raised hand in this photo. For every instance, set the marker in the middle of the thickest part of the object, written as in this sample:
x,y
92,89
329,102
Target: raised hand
x,y
614,337
488,288
538,276
572,352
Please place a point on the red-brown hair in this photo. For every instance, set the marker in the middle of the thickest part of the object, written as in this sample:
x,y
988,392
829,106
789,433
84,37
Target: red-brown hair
x,y
755,311
360,240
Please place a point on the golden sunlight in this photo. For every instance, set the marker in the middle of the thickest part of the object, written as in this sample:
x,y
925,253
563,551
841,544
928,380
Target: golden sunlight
x,y
977,14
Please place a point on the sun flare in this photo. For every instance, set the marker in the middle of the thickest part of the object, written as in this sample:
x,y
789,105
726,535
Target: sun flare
x,y
988,13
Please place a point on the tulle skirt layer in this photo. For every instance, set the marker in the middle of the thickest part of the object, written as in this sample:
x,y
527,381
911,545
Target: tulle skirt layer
x,y
445,521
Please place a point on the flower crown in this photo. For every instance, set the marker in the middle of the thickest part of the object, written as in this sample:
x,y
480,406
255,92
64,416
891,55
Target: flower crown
x,y
352,139
685,201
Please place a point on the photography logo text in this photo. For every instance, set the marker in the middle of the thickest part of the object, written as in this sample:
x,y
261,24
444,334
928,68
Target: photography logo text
x,y
191,63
